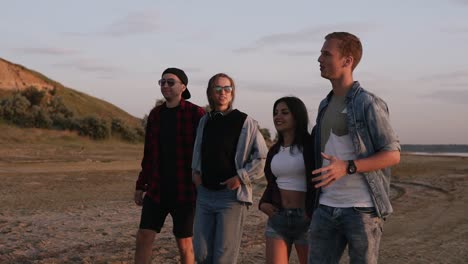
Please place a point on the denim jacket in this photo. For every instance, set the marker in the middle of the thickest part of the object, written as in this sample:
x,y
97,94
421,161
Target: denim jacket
x,y
251,152
371,132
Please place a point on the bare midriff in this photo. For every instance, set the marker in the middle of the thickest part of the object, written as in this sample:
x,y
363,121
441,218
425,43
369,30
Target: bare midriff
x,y
293,199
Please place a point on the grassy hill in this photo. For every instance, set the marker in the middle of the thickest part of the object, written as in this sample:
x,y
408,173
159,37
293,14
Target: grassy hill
x,y
16,79
86,105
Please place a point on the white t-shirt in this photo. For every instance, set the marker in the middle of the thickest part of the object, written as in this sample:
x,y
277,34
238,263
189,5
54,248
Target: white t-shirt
x,y
289,169
352,190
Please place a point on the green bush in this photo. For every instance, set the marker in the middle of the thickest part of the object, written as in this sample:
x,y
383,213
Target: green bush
x,y
53,91
140,132
40,117
59,121
57,106
94,127
265,133
33,95
25,109
15,109
144,121
119,128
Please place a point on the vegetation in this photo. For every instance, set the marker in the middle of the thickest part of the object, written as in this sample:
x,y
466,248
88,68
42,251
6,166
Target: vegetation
x,y
35,108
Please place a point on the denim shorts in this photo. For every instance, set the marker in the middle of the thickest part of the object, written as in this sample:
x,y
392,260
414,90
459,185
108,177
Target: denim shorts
x,y
290,225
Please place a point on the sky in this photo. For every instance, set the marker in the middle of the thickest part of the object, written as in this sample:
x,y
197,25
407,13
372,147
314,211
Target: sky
x,y
415,53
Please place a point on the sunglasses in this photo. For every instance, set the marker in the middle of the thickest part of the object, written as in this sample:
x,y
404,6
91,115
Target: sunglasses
x,y
170,82
219,89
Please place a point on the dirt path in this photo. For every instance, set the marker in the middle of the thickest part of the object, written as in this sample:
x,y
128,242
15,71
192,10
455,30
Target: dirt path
x,y
80,211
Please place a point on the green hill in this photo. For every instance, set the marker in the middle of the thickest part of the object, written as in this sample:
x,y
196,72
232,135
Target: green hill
x,y
85,105
84,110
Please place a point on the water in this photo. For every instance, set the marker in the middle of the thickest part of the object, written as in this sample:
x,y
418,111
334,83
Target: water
x,y
456,154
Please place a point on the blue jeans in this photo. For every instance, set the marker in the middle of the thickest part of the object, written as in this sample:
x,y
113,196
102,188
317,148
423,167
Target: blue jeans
x,y
333,228
219,220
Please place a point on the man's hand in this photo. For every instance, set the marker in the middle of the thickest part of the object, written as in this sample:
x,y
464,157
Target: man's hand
x,y
196,178
331,173
268,208
232,183
138,197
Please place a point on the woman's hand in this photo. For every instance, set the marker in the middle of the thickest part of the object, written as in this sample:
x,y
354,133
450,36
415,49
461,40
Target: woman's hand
x,y
232,183
268,208
196,178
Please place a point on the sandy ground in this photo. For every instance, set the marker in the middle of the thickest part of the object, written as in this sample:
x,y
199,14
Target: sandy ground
x,y
73,204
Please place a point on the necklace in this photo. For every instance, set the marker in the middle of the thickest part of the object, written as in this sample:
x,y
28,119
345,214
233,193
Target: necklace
x,y
284,148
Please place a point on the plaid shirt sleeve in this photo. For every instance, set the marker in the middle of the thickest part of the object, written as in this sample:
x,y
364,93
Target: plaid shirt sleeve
x,y
147,162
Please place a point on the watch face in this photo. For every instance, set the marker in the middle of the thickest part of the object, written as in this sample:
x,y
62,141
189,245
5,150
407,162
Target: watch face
x,y
351,167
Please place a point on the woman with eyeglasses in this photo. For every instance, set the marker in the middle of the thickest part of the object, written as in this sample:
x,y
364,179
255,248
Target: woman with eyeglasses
x,y
229,153
289,197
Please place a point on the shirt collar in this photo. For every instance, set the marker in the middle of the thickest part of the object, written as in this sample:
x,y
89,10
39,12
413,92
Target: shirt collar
x,y
351,93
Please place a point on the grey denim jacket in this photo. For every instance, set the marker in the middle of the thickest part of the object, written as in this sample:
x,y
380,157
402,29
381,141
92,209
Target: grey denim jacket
x,y
250,157
371,132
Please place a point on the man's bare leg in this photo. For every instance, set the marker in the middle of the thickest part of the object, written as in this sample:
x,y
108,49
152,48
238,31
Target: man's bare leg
x,y
186,250
144,246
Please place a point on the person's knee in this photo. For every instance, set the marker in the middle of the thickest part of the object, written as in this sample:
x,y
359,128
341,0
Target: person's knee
x,y
185,245
145,236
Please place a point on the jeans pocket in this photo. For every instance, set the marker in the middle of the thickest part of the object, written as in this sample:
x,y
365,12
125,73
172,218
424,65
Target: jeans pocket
x,y
366,210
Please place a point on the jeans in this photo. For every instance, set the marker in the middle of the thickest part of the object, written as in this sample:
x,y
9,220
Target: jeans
x,y
219,220
332,228
290,225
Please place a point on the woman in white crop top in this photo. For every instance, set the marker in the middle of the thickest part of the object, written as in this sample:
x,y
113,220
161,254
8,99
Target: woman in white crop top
x,y
289,195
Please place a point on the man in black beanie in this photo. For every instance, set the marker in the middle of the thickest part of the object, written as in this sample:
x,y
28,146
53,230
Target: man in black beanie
x,y
164,185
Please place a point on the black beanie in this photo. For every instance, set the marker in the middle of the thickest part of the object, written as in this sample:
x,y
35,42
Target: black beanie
x,y
183,78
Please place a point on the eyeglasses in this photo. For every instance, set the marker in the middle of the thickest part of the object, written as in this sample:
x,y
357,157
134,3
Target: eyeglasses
x,y
170,82
227,89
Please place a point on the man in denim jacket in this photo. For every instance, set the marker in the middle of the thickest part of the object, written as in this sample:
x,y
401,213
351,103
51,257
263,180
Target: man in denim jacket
x,y
355,146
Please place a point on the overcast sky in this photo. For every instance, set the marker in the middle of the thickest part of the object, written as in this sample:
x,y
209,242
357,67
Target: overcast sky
x,y
415,53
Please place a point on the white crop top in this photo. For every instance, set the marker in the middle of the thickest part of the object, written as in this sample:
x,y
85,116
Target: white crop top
x,y
289,169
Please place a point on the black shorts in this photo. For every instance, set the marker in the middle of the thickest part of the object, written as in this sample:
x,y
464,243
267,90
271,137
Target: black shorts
x,y
153,216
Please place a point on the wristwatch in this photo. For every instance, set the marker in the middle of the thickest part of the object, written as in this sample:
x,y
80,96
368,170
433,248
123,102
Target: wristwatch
x,y
351,169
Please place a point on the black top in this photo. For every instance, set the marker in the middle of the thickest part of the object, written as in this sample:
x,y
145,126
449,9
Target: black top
x,y
168,157
219,145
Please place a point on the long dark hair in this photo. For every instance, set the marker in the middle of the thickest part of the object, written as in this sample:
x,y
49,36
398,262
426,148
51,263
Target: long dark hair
x,y
299,113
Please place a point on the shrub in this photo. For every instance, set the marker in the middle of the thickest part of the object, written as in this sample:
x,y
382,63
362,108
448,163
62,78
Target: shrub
x,y
140,132
59,121
56,106
265,133
40,117
15,109
33,95
94,127
53,91
144,121
118,127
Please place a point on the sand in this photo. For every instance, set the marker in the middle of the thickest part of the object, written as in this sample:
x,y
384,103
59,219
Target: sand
x,y
73,204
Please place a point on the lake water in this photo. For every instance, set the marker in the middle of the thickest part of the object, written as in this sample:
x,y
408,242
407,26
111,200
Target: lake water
x,y
457,154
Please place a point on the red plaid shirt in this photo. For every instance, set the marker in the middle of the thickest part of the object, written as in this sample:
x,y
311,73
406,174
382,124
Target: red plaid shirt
x,y
188,117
